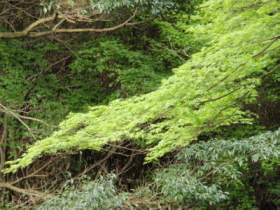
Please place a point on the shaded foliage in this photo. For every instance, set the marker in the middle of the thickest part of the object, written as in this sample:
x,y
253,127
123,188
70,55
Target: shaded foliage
x,y
209,172
99,194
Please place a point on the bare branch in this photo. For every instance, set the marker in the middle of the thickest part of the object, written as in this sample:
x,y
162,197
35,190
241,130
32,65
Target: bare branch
x,y
29,192
69,18
34,119
25,32
98,163
6,110
34,174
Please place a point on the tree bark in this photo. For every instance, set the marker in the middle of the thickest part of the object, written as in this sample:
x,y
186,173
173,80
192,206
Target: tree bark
x,y
29,33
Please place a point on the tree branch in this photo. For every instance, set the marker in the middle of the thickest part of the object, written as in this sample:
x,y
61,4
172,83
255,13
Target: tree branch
x,y
34,174
271,71
28,31
110,153
264,49
6,110
25,32
29,192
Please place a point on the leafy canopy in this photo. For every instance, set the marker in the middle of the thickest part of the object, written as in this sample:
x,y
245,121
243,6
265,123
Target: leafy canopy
x,y
206,92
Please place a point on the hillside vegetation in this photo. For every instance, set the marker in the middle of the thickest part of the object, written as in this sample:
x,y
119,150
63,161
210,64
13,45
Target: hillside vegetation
x,y
205,135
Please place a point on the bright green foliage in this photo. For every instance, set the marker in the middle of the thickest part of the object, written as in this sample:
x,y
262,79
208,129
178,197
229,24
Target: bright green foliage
x,y
206,92
207,169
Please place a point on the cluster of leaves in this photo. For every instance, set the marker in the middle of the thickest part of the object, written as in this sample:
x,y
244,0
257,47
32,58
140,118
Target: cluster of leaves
x,y
24,79
121,72
98,194
205,93
154,7
31,87
208,172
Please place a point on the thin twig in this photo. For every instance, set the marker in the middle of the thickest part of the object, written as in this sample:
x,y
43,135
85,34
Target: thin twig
x,y
6,110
